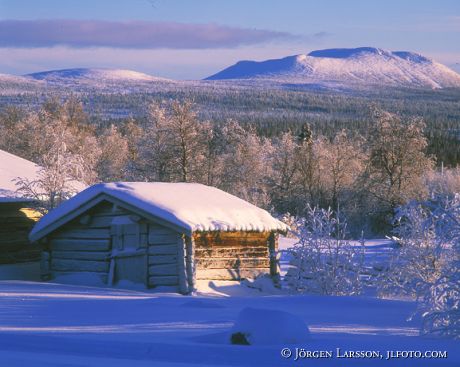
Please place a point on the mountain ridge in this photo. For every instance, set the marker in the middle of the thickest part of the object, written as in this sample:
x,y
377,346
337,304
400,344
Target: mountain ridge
x,y
347,67
92,73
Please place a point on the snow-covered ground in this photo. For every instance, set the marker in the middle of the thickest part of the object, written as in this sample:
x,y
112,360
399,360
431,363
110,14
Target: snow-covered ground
x,y
50,324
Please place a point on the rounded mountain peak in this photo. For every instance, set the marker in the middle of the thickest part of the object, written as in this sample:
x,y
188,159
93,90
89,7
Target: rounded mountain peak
x,y
345,53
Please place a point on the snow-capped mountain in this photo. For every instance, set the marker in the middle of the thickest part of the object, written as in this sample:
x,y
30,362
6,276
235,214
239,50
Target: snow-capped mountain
x,y
364,66
107,80
92,74
13,84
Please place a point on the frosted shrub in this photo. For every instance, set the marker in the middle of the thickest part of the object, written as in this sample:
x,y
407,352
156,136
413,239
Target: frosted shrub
x,y
57,178
441,304
427,266
416,265
323,262
293,222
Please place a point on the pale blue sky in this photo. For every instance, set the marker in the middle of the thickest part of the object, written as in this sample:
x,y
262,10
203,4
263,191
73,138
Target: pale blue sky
x,y
193,39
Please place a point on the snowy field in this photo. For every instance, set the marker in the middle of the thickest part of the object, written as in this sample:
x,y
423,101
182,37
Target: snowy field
x,y
49,324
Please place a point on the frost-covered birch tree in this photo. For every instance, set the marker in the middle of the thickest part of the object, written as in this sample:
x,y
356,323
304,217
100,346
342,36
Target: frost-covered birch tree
x,y
57,178
441,304
172,147
323,261
246,164
427,265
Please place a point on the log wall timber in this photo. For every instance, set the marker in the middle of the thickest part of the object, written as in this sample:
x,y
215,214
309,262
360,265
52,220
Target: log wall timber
x,y
190,263
181,266
166,257
84,244
16,221
231,255
117,244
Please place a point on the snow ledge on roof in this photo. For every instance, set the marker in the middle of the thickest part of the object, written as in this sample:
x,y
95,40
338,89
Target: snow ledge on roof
x,y
189,206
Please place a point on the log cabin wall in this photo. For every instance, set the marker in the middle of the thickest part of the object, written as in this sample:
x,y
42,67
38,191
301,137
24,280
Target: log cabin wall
x,y
102,242
231,255
163,256
83,244
16,221
115,244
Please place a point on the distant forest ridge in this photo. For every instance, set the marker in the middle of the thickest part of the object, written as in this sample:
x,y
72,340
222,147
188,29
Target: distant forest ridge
x,y
270,109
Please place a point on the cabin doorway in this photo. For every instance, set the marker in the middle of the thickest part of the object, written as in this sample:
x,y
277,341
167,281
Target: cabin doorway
x,y
128,259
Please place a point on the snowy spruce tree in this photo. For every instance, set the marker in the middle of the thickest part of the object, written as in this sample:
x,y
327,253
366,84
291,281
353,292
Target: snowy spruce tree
x,y
323,261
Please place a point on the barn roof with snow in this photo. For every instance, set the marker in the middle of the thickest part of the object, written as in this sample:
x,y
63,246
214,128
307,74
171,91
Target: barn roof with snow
x,y
189,207
12,167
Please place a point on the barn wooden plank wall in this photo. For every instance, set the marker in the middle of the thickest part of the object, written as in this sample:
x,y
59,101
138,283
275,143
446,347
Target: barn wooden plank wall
x,y
16,221
163,256
114,244
231,255
84,244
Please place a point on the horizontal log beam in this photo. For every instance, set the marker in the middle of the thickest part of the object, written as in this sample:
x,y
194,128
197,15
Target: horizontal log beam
x,y
14,235
13,257
126,254
101,276
79,265
83,233
14,244
233,252
163,280
162,259
233,234
100,221
163,250
81,255
230,274
156,239
79,245
219,263
163,270
231,243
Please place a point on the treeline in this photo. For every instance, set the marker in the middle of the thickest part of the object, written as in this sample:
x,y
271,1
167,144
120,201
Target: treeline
x,y
364,178
275,111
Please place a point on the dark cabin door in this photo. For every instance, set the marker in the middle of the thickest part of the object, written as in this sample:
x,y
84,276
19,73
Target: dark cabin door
x,y
129,252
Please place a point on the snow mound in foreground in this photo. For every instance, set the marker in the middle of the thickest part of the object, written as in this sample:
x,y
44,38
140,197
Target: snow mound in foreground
x,y
270,327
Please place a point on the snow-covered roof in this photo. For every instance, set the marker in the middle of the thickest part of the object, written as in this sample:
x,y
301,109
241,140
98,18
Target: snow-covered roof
x,y
187,206
12,167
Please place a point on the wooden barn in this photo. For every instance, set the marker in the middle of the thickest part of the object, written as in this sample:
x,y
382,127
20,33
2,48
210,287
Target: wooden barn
x,y
17,217
158,234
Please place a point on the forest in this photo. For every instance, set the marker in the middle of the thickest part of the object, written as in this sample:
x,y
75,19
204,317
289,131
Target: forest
x,y
271,111
363,169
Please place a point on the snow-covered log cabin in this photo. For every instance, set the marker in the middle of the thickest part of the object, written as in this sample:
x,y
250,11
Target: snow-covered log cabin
x,y
17,216
158,234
